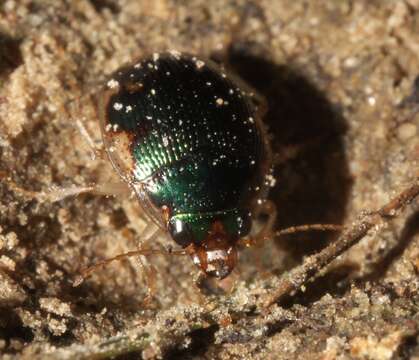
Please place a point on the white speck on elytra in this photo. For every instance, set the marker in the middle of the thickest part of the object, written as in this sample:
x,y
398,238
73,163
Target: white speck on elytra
x,y
176,54
199,64
112,84
117,106
165,141
271,181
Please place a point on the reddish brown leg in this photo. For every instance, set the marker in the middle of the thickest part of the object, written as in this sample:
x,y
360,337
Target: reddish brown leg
x,y
267,208
150,273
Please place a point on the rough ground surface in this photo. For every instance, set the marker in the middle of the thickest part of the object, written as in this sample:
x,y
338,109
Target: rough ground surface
x,y
339,77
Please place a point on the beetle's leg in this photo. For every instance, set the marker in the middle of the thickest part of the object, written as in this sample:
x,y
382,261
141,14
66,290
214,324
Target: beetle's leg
x,y
76,109
267,208
150,273
57,193
98,152
150,276
287,153
292,151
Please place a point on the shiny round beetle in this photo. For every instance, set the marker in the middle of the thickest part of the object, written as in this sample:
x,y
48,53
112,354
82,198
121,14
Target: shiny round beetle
x,y
189,141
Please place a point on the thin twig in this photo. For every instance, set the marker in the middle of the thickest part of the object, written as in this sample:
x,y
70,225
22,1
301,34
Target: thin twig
x,y
313,264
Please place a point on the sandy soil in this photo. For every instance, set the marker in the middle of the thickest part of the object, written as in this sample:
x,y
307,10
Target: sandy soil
x,y
339,77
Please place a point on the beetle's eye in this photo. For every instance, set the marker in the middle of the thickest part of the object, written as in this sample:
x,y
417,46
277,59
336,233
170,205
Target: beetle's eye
x,y
180,232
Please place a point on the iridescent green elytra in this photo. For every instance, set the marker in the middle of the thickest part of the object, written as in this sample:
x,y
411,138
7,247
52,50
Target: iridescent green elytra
x,y
190,142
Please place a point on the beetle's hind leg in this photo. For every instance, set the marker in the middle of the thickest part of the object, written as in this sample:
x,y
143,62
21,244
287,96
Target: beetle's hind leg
x,y
58,193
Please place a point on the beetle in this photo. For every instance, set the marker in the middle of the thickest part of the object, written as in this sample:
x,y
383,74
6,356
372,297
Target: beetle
x,y
189,141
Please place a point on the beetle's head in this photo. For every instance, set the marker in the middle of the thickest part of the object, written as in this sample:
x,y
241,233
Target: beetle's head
x,y
211,239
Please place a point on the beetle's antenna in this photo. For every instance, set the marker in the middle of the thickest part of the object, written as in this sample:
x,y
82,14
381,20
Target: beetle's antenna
x,y
309,227
85,273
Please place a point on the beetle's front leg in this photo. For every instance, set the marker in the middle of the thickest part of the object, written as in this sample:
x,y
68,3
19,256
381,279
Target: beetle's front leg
x,y
267,208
